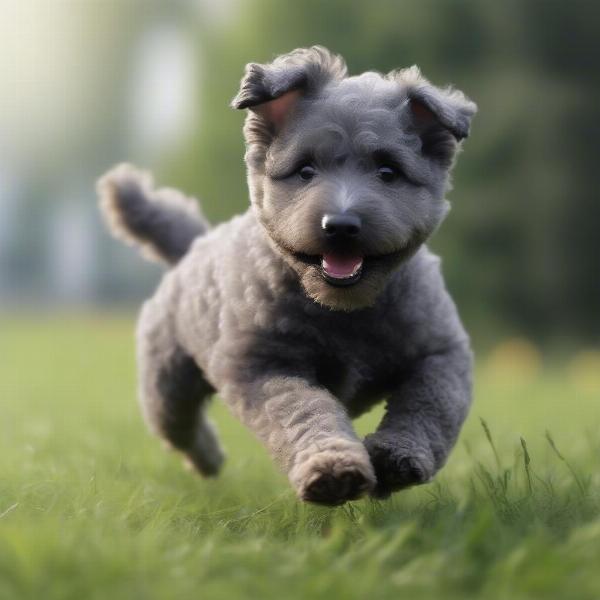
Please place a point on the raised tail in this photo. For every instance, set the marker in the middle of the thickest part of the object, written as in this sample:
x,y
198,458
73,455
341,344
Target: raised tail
x,y
162,223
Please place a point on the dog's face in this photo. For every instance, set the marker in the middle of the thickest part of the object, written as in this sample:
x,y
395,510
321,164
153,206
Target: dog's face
x,y
347,174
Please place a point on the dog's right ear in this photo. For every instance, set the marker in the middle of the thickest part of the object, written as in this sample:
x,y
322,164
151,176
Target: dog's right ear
x,y
271,91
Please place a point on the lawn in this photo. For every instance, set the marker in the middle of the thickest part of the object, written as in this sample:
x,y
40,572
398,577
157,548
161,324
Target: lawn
x,y
91,506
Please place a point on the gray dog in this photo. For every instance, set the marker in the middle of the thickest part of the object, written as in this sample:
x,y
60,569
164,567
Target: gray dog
x,y
321,299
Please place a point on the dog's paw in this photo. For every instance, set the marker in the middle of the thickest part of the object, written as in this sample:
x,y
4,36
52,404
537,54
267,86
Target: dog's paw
x,y
397,466
332,477
333,489
205,464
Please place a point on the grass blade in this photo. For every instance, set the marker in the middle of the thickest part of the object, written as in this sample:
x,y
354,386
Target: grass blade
x,y
490,439
580,484
527,463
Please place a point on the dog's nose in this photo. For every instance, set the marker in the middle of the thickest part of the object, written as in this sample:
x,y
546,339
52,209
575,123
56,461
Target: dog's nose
x,y
339,226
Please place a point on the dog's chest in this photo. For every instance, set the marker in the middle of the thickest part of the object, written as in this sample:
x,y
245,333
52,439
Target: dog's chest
x,y
360,361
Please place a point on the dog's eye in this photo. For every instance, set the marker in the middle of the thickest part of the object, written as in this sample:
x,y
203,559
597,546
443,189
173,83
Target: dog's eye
x,y
387,173
307,172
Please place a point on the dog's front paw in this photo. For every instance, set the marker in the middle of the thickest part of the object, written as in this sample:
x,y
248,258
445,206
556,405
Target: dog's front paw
x,y
332,477
397,466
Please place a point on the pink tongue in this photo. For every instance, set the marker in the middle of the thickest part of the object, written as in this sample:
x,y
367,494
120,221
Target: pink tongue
x,y
341,266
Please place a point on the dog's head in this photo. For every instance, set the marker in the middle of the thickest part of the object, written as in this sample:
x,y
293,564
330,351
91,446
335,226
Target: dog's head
x,y
347,174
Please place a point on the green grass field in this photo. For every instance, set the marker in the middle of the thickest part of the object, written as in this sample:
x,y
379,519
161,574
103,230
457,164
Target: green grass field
x,y
92,507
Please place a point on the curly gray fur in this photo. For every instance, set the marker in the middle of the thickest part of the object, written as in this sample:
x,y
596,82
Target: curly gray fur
x,y
250,312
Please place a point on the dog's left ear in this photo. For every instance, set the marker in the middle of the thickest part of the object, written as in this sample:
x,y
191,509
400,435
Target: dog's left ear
x,y
271,91
440,116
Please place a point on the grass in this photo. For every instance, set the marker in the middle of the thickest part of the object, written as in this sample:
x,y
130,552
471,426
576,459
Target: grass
x,y
92,507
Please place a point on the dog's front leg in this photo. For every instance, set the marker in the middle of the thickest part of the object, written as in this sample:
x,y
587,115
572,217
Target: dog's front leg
x,y
309,433
422,421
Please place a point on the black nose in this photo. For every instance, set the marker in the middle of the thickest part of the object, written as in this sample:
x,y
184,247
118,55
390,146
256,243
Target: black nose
x,y
339,226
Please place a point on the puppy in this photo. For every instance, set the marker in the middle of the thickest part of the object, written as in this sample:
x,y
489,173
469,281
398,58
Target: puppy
x,y
322,298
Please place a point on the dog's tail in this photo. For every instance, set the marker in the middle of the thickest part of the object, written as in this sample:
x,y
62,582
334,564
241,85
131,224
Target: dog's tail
x,y
162,223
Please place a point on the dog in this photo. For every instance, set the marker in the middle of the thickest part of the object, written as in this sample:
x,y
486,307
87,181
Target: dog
x,y
322,299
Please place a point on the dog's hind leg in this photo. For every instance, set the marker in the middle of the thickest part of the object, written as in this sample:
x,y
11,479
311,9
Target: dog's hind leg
x,y
174,393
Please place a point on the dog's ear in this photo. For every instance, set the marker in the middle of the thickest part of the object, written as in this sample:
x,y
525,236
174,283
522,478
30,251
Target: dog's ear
x,y
441,117
271,91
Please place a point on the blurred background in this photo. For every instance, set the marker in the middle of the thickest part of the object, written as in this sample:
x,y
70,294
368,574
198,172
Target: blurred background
x,y
91,506
85,84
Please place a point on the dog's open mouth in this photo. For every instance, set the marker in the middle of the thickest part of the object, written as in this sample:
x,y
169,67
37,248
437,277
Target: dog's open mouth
x,y
341,270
